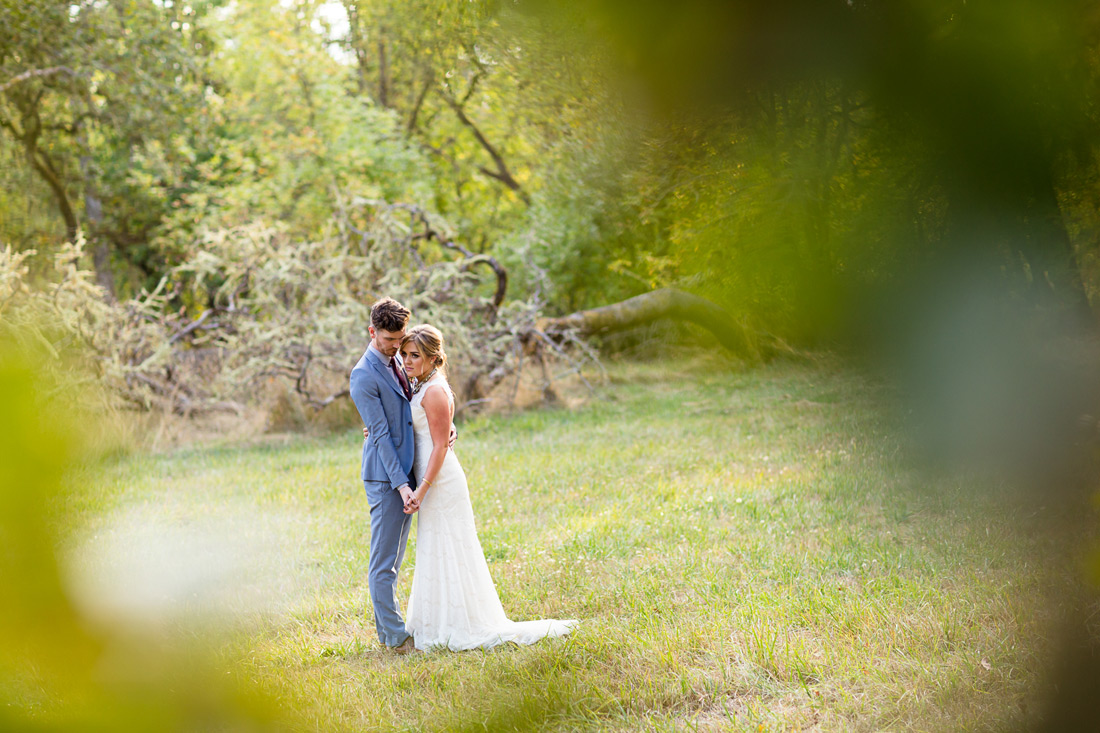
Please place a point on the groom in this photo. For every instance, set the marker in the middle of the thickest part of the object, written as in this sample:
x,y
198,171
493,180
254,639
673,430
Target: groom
x,y
381,392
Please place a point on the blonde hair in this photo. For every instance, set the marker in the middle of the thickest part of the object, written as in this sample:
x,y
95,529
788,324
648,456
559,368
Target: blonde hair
x,y
430,342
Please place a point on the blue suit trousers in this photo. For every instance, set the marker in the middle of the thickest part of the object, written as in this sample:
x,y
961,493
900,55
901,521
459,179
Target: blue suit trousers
x,y
389,532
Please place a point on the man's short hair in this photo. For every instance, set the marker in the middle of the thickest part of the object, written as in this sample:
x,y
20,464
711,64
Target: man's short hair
x,y
389,315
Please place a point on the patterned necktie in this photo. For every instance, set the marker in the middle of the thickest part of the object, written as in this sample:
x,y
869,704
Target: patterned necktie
x,y
401,379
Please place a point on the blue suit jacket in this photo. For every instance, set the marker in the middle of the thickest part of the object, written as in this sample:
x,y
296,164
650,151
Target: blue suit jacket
x,y
388,452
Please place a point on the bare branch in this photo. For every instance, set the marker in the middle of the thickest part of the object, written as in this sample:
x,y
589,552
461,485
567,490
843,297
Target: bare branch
x,y
430,232
190,328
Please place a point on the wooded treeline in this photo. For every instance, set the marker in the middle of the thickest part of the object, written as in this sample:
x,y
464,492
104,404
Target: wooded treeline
x,y
243,177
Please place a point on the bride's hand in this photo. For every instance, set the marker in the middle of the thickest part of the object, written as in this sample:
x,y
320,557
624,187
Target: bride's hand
x,y
407,498
366,433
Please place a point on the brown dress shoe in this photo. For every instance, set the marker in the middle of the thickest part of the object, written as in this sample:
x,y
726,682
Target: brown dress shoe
x,y
405,647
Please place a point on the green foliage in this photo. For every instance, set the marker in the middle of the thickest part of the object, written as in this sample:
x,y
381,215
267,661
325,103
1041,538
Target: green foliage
x,y
799,159
102,98
448,75
27,218
597,150
61,667
578,243
291,147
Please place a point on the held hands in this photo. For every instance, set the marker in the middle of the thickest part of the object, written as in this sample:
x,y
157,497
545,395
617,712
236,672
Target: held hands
x,y
408,498
412,505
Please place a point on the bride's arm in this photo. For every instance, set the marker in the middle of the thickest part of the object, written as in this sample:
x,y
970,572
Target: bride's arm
x,y
438,410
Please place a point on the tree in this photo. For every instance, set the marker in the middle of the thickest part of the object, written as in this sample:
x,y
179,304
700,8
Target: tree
x,y
99,96
485,95
986,130
289,145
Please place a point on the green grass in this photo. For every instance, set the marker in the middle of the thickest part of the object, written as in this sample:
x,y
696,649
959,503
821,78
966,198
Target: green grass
x,y
746,550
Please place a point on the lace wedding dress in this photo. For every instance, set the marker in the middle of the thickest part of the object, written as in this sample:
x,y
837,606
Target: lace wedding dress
x,y
454,603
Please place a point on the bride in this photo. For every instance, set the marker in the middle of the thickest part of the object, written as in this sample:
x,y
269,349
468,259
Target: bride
x,y
453,602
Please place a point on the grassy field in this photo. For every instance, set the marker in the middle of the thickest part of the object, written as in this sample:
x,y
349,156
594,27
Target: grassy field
x,y
746,549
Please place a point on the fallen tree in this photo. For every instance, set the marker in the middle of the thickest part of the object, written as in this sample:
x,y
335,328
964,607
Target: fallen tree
x,y
642,310
566,339
254,307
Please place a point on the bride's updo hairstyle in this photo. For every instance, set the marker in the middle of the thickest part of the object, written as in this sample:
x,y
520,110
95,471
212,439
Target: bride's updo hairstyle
x,y
430,342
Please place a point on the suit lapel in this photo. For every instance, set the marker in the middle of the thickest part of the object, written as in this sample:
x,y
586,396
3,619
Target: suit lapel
x,y
387,375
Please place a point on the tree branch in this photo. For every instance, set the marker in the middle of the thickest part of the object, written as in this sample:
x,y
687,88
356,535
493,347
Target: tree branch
x,y
646,308
411,126
33,74
41,163
430,232
502,173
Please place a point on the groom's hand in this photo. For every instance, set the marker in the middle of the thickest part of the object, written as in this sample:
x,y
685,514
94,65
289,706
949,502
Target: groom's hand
x,y
406,496
452,437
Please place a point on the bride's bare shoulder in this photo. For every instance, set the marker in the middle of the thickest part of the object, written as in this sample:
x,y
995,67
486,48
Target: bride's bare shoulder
x,y
436,394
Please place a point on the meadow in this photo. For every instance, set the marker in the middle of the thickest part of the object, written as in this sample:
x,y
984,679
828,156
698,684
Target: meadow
x,y
747,548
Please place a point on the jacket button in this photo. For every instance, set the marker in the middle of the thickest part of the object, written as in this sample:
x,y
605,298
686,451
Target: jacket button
x,y
410,423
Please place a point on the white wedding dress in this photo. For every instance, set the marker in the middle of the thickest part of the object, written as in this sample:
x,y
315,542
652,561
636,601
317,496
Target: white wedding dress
x,y
454,603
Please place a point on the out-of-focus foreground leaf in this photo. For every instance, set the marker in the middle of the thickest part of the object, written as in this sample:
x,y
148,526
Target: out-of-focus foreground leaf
x,y
59,669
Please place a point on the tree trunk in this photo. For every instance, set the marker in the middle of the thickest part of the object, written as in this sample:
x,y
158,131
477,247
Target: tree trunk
x,y
666,303
410,127
549,334
93,210
383,71
1061,265
358,46
42,165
